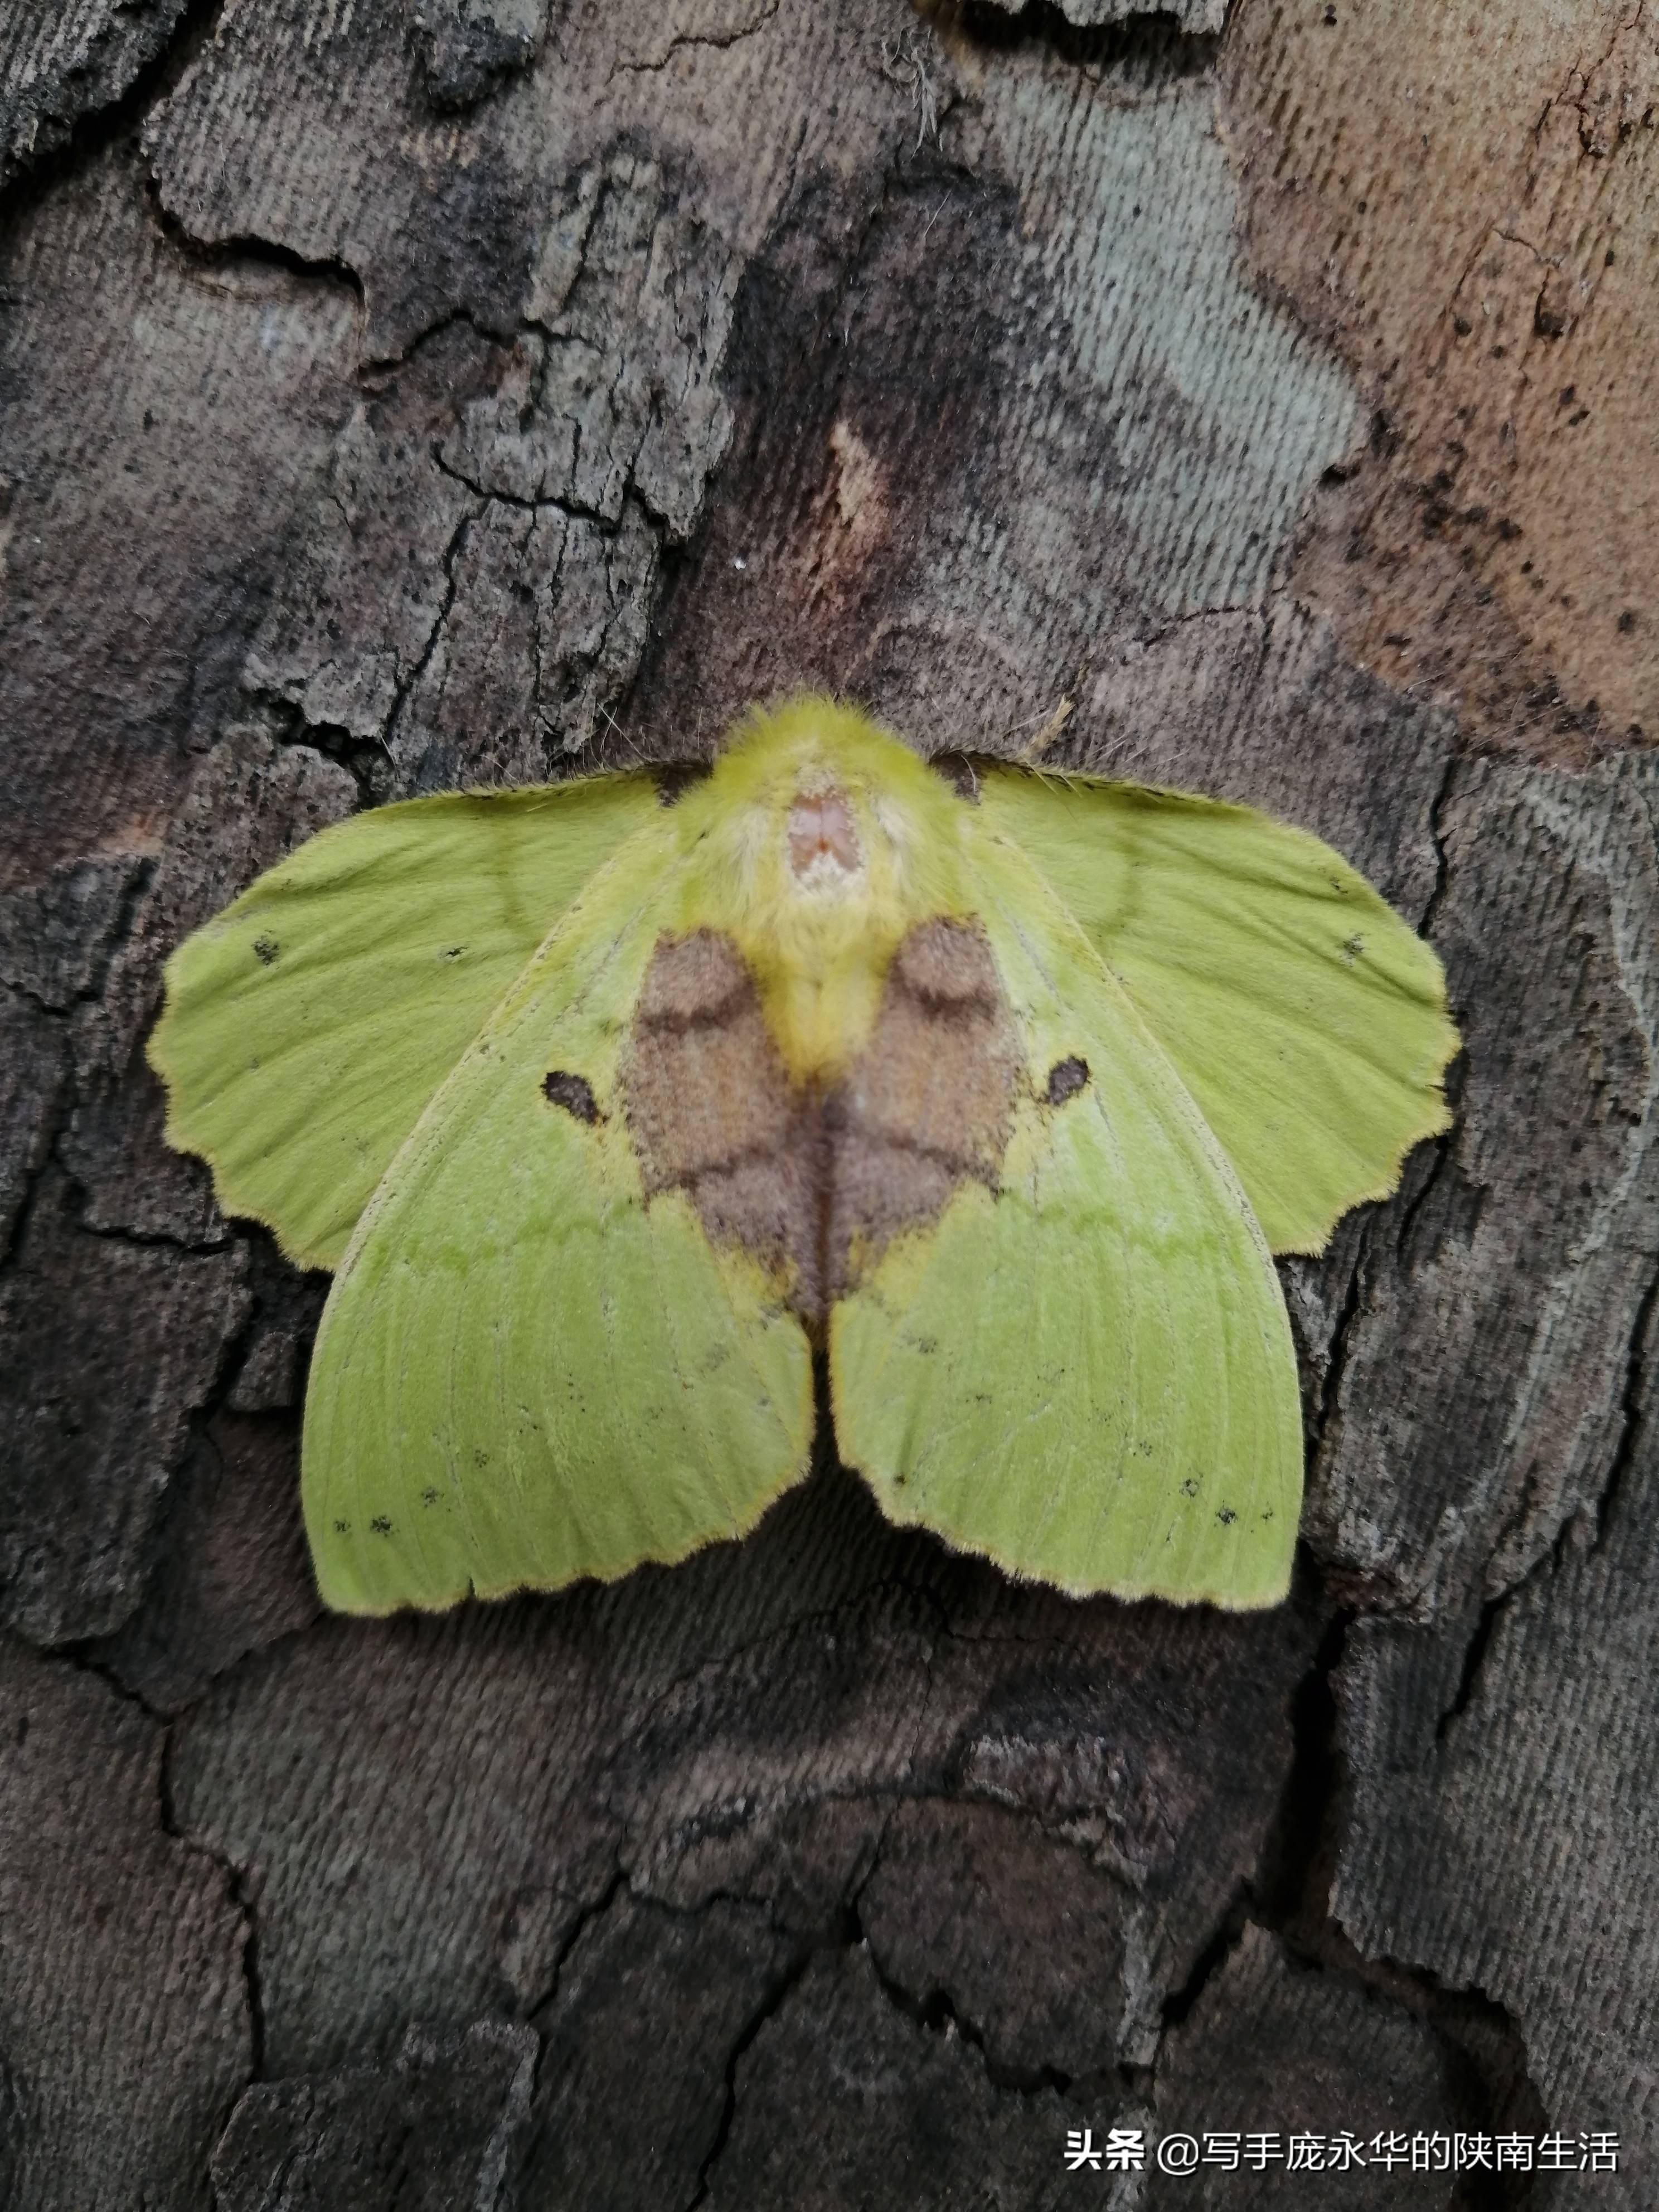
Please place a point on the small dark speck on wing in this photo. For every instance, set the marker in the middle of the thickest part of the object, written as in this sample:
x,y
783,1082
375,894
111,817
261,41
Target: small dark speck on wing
x,y
573,1092
1066,1078
265,950
381,1525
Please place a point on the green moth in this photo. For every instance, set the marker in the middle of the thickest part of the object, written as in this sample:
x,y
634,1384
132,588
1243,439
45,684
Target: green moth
x,y
607,1103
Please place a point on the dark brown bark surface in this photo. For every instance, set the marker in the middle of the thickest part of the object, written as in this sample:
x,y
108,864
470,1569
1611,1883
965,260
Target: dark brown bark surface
x,y
403,397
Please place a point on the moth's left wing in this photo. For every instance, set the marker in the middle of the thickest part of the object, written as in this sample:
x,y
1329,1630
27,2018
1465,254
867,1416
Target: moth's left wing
x,y
1086,1375
525,1373
306,1026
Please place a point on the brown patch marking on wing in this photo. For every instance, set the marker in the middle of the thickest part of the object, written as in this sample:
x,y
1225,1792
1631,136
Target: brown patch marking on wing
x,y
817,1186
710,1111
931,1103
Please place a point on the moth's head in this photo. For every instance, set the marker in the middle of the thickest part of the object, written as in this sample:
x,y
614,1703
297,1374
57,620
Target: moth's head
x,y
821,837
827,806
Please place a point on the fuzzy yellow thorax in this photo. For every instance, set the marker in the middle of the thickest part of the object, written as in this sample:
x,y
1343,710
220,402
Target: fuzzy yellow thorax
x,y
818,842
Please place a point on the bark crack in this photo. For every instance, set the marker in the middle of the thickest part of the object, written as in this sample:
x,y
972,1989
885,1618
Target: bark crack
x,y
1211,1958
1575,93
248,246
934,2012
102,951
1630,1403
1600,1509
385,365
1438,806
242,1897
554,503
406,685
1291,1887
143,1239
97,129
1149,39
615,1887
720,41
1325,1416
1289,1896
772,2002
80,1658
937,2013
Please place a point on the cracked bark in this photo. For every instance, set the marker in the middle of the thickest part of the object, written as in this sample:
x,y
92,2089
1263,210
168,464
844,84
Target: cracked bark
x,y
403,398
64,70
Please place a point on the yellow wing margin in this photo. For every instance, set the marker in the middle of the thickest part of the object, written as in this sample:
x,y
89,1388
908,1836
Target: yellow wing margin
x,y
1086,1375
525,1372
305,1028
1307,1019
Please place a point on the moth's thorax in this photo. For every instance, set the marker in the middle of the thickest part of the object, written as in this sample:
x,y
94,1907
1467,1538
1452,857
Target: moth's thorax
x,y
819,844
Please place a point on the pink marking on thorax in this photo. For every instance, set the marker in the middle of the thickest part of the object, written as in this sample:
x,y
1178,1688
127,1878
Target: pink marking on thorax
x,y
821,827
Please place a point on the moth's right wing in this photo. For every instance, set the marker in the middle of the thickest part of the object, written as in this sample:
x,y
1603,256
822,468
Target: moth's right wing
x,y
1307,1019
1086,1374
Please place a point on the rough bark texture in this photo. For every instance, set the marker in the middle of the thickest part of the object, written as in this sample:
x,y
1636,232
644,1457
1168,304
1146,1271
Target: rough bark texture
x,y
398,398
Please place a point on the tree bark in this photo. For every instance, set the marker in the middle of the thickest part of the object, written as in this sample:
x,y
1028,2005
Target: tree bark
x,y
398,398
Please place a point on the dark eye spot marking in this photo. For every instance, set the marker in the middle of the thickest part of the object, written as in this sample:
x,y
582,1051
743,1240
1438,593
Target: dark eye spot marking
x,y
573,1092
1189,1488
1066,1078
428,1497
1226,1516
343,1528
265,950
453,952
381,1525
